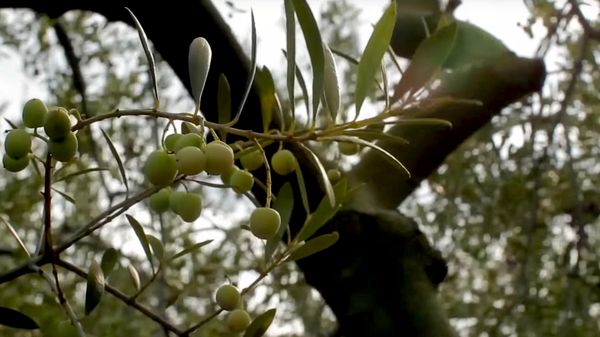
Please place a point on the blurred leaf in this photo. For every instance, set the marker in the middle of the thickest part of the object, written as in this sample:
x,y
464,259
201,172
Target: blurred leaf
x,y
224,103
94,288
284,204
135,277
251,74
372,135
290,25
78,173
302,188
109,260
139,232
261,323
190,249
331,85
199,58
15,319
323,179
149,57
266,89
373,54
324,212
156,245
14,233
115,154
314,44
429,58
64,195
315,245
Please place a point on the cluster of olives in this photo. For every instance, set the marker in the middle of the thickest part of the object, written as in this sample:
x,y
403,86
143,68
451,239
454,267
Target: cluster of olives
x,y
228,298
62,142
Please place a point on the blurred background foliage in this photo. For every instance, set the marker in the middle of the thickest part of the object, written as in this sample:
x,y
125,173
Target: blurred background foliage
x,y
515,210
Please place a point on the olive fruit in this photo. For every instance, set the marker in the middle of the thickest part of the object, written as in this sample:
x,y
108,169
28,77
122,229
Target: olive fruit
x,y
219,157
188,206
170,141
348,148
190,160
34,112
241,181
228,297
252,160
264,222
334,175
238,320
17,143
57,123
175,200
63,149
15,165
226,176
283,162
160,201
160,168
189,139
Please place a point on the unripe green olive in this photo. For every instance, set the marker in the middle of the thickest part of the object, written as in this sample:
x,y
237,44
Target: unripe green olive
x,y
190,160
188,207
219,157
283,162
17,143
160,201
57,123
228,297
15,165
160,168
189,139
34,112
238,320
252,160
226,176
170,141
348,148
64,149
241,181
175,200
334,175
264,222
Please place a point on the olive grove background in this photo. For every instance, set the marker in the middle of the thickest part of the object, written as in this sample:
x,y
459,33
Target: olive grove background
x,y
515,210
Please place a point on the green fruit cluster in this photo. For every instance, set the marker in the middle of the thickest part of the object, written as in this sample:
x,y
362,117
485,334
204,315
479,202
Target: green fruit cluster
x,y
188,205
238,320
62,143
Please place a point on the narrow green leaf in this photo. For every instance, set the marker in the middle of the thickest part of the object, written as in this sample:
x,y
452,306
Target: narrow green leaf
x,y
78,173
429,58
323,179
12,125
109,260
324,212
252,73
371,135
315,245
94,287
314,44
190,249
65,195
135,277
139,232
224,102
373,54
304,90
375,147
149,57
115,154
199,58
284,204
15,319
156,245
261,323
13,232
266,89
302,187
290,29
331,85
351,59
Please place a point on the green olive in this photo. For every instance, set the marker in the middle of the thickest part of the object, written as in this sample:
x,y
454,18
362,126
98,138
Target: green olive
x,y
64,149
190,160
264,222
348,148
57,123
34,112
189,206
241,181
15,165
170,141
219,157
252,160
226,176
283,162
334,175
160,201
160,168
17,143
238,320
189,139
228,297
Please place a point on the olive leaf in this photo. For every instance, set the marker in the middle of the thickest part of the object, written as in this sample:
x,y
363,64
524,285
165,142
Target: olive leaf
x,y
331,85
324,212
139,232
115,154
189,249
199,58
290,30
109,260
284,204
315,245
94,288
16,319
135,277
260,324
